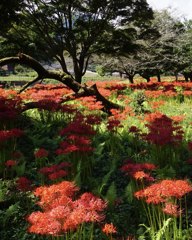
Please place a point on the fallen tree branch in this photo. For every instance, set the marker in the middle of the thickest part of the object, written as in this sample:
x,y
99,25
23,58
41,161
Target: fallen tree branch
x,y
78,89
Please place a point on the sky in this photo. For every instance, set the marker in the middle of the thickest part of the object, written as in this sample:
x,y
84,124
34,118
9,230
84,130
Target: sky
x,y
181,7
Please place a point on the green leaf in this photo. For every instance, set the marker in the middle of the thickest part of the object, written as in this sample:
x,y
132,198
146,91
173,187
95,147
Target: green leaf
x,y
111,194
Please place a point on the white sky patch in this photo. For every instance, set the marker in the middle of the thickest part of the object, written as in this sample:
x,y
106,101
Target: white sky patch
x,y
181,7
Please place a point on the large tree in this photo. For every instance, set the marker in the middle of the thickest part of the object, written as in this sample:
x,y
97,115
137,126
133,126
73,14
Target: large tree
x,y
74,28
163,47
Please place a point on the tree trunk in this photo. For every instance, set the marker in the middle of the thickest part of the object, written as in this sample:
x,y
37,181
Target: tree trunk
x,y
130,77
186,75
158,77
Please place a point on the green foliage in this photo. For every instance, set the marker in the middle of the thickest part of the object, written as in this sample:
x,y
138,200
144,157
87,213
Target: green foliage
x,y
100,70
139,102
111,194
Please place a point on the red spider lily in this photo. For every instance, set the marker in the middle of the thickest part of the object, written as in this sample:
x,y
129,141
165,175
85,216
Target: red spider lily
x,y
116,86
42,223
9,107
166,189
93,119
10,163
172,209
134,129
162,130
122,114
157,104
140,175
109,229
91,103
113,124
24,184
48,170
78,135
91,202
132,168
78,127
48,104
55,195
7,134
61,212
56,175
54,168
41,153
48,91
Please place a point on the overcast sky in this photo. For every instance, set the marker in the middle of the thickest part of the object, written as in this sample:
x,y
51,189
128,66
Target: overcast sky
x,y
181,7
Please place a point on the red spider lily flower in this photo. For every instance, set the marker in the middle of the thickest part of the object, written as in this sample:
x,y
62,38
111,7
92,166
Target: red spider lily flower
x,y
78,127
93,119
157,104
88,208
48,170
76,218
44,224
178,119
91,103
109,229
61,212
64,165
113,124
7,134
134,129
10,163
41,153
160,192
75,143
59,174
55,194
132,168
9,108
141,175
162,130
24,184
54,168
91,202
172,209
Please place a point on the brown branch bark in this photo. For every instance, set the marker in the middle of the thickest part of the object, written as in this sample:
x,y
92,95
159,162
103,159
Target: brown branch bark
x,y
78,89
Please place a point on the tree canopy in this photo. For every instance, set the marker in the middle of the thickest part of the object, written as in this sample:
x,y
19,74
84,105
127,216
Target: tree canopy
x,y
58,29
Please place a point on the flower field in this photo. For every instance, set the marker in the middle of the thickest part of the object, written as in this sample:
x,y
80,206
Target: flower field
x,y
70,171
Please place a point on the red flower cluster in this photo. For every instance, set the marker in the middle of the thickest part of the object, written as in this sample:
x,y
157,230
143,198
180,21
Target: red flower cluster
x,y
9,108
24,184
162,130
91,103
113,124
52,92
172,209
61,213
55,171
7,134
41,153
10,163
137,170
164,190
78,134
